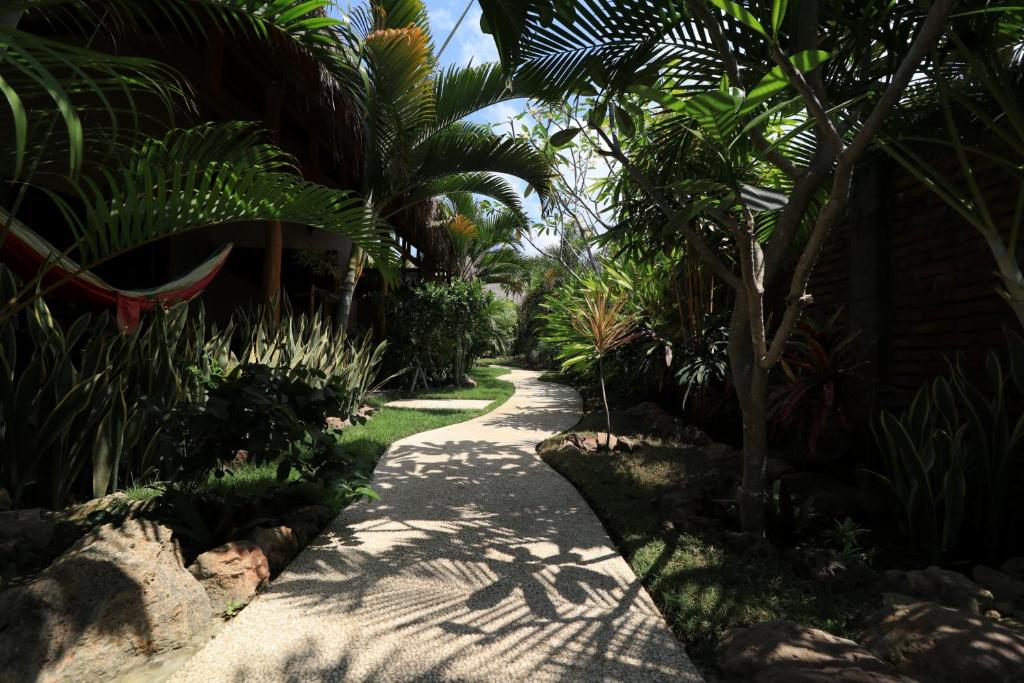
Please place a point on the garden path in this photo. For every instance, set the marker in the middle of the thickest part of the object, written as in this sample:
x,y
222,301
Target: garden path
x,y
479,563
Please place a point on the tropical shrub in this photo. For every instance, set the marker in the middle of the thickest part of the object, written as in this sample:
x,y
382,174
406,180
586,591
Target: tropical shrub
x,y
83,407
952,459
504,321
267,412
77,402
437,331
587,320
816,371
702,367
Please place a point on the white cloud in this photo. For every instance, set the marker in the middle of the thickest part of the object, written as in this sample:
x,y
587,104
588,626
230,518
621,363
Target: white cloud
x,y
473,44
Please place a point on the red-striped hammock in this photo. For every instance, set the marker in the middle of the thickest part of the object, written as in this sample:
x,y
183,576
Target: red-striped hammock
x,y
26,252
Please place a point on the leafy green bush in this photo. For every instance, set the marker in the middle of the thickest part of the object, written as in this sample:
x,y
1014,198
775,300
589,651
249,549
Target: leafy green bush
x,y
83,406
504,320
437,331
78,402
267,412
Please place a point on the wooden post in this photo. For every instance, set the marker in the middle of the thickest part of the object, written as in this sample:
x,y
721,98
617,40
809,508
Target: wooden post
x,y
273,232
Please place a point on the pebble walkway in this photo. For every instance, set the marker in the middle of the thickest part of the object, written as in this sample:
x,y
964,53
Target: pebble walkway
x,y
479,563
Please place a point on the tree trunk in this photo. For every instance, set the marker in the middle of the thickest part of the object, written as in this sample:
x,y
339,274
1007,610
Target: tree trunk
x,y
751,384
273,249
604,399
348,288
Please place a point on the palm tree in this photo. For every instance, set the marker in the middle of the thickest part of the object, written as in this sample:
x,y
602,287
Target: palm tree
x,y
69,106
485,243
419,147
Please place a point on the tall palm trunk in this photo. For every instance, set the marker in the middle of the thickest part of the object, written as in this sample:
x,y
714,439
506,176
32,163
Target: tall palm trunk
x,y
348,287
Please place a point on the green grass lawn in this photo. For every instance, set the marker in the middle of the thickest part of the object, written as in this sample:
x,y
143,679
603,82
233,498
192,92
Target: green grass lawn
x,y
367,442
700,583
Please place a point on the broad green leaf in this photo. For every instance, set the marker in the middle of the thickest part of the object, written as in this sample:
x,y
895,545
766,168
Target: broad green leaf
x,y
741,13
564,137
776,81
778,15
663,98
625,122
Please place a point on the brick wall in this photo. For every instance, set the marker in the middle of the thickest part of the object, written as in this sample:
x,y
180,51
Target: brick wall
x,y
915,278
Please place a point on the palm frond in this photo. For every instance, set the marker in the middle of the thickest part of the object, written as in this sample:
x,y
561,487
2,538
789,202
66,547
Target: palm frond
x,y
212,175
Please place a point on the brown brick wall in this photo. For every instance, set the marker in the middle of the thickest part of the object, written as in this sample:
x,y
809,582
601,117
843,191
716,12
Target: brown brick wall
x,y
926,282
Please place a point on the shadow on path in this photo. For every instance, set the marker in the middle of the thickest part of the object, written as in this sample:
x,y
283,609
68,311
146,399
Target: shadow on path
x,y
479,563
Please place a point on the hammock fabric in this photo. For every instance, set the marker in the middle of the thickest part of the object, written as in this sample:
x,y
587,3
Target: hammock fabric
x,y
26,252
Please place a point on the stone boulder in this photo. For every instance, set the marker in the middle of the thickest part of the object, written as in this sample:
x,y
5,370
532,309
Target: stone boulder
x,y
786,652
943,586
232,573
1007,590
5,500
28,529
655,418
939,644
594,443
115,598
1014,567
279,544
306,522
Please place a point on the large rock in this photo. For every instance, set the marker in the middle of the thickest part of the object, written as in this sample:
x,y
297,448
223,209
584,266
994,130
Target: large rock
x,y
1007,590
28,529
117,597
1014,567
5,500
939,644
231,574
279,544
786,652
594,443
942,586
656,418
306,522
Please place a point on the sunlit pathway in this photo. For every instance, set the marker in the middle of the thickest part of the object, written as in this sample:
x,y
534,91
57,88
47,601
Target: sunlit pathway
x,y
480,563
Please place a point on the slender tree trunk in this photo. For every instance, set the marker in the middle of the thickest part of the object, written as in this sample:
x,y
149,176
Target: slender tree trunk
x,y
273,249
751,385
348,287
604,399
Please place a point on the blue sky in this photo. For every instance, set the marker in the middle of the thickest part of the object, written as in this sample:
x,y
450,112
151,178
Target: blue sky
x,y
471,45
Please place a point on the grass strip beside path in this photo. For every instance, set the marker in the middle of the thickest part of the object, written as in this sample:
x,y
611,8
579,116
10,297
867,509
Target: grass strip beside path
x,y
366,442
700,583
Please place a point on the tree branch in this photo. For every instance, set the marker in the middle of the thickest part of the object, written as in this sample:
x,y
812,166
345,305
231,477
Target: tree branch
x,y
814,104
931,30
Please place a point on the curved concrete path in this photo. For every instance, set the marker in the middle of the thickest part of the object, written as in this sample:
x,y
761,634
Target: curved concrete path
x,y
480,563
